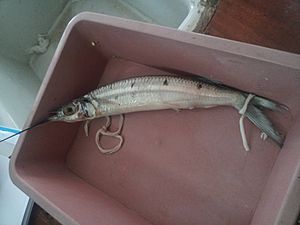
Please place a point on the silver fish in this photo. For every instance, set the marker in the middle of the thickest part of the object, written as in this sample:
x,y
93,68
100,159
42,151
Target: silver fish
x,y
168,92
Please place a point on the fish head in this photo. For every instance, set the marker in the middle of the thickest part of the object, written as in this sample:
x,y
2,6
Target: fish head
x,y
78,110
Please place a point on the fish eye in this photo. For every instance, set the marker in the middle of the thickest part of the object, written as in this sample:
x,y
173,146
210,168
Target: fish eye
x,y
69,110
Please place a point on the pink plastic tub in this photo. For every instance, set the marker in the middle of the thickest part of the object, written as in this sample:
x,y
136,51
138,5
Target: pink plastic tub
x,y
175,168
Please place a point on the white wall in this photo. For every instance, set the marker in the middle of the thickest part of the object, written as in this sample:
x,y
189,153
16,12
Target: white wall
x,y
18,89
13,201
20,23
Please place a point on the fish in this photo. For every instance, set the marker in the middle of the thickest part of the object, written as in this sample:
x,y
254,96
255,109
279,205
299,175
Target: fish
x,y
161,92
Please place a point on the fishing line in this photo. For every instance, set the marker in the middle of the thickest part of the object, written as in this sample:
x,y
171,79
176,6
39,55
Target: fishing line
x,y
26,129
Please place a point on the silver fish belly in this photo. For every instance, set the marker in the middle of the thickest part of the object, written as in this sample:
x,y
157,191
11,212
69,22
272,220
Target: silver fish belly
x,y
157,93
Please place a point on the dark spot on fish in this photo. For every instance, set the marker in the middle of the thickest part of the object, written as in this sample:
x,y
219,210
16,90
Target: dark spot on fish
x,y
199,86
132,84
116,97
85,100
165,82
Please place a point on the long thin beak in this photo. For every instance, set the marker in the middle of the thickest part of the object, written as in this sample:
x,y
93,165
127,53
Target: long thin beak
x,y
53,115
53,118
53,112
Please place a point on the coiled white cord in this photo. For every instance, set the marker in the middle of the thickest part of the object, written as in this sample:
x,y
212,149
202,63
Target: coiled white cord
x,y
104,131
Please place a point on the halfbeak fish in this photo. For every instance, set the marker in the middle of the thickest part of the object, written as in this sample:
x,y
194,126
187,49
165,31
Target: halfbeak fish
x,y
169,92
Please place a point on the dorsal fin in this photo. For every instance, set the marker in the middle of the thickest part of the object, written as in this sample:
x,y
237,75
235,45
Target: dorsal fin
x,y
203,79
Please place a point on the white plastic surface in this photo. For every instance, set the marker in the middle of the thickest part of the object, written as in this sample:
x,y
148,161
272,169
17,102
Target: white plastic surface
x,y
18,88
8,145
13,201
6,148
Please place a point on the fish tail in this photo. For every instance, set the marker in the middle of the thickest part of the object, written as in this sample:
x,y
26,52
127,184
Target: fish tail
x,y
255,114
264,103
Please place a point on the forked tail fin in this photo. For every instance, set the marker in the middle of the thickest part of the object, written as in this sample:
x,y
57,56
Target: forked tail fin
x,y
255,114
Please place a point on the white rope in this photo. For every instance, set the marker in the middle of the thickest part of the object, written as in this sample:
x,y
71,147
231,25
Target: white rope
x,y
115,134
263,136
41,47
86,127
242,111
103,131
121,122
